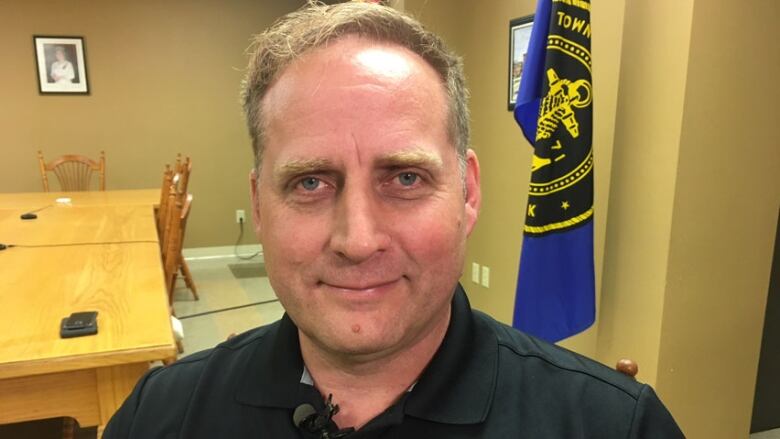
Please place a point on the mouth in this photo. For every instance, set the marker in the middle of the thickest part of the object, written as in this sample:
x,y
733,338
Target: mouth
x,y
375,287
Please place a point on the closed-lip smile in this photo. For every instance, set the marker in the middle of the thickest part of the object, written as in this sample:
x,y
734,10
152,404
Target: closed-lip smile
x,y
359,287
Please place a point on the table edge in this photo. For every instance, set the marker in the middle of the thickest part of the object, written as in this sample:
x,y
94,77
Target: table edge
x,y
86,361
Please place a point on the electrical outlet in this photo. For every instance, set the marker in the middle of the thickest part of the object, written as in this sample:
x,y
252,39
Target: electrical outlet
x,y
486,276
240,216
475,272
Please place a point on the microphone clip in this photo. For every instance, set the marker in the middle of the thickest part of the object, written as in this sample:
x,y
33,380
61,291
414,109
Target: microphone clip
x,y
322,423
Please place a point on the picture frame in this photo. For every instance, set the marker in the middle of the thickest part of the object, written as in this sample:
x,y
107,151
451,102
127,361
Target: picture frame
x,y
61,64
519,37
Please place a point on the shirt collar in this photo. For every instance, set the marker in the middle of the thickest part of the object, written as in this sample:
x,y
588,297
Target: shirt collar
x,y
457,387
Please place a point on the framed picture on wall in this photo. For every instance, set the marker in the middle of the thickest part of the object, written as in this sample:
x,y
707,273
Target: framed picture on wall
x,y
61,65
519,36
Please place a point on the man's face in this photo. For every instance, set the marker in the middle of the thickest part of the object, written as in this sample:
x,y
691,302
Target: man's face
x,y
359,203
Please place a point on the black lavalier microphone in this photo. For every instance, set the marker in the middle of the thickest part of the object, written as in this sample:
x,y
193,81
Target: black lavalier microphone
x,y
306,418
31,214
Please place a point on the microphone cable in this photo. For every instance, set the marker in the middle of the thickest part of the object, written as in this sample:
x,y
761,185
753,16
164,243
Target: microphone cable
x,y
73,244
40,208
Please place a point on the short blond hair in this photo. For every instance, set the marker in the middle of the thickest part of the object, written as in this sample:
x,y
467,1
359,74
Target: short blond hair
x,y
315,25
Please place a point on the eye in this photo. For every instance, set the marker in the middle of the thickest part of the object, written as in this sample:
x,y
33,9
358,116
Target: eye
x,y
310,183
307,189
407,184
408,178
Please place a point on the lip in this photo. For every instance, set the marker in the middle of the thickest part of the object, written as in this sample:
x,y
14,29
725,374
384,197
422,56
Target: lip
x,y
365,288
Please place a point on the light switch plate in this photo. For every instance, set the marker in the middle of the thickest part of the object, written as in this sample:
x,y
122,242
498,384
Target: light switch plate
x,y
486,276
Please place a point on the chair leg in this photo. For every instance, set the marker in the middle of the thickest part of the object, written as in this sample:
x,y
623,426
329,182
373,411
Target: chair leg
x,y
171,284
185,271
68,428
179,346
177,334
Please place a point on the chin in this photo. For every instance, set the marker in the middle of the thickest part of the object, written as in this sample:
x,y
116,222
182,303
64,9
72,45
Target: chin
x,y
359,349
369,341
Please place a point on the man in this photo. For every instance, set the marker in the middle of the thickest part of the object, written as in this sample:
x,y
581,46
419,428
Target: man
x,y
364,192
61,69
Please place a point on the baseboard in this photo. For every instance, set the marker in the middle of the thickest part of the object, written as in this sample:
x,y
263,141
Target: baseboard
x,y
227,251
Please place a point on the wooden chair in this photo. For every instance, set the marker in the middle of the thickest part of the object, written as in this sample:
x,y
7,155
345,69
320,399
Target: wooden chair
x,y
74,172
178,176
68,428
627,367
171,248
171,244
183,267
162,208
175,182
183,171
178,213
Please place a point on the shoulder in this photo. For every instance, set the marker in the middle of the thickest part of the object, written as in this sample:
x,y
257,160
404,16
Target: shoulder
x,y
562,391
540,356
161,398
228,355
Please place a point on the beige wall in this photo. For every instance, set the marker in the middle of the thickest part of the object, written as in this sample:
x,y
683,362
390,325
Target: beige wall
x,y
724,218
164,78
480,35
691,223
647,132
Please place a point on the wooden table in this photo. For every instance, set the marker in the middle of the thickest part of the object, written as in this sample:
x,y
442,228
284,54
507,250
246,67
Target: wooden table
x,y
99,252
36,200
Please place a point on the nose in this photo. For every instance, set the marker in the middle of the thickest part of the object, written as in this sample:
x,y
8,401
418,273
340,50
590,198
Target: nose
x,y
359,227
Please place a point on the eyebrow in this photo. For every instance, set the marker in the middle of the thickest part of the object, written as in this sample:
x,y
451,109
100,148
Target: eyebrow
x,y
301,166
411,158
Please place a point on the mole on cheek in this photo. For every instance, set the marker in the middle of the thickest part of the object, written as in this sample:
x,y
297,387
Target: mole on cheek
x,y
356,329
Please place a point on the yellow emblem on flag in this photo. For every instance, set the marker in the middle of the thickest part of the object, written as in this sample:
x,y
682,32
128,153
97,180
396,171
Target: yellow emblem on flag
x,y
556,107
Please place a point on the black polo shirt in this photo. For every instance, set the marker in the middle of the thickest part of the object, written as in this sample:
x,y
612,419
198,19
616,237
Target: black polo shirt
x,y
487,380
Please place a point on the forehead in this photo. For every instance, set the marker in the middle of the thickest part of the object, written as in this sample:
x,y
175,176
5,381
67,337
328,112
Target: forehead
x,y
365,91
355,63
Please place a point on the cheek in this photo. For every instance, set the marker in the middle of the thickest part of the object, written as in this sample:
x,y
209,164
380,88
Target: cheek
x,y
292,239
435,237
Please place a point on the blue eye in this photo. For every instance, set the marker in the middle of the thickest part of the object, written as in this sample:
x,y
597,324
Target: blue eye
x,y
310,183
407,178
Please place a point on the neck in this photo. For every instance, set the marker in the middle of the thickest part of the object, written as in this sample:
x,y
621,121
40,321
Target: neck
x,y
365,386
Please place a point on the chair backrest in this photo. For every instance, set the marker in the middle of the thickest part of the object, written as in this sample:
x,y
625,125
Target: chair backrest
x,y
74,172
171,245
627,367
162,209
184,169
178,176
178,212
185,213
177,164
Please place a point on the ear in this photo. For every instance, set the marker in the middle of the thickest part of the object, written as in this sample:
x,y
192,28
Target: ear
x,y
473,191
253,189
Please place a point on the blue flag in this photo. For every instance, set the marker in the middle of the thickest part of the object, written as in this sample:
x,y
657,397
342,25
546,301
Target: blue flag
x,y
555,296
